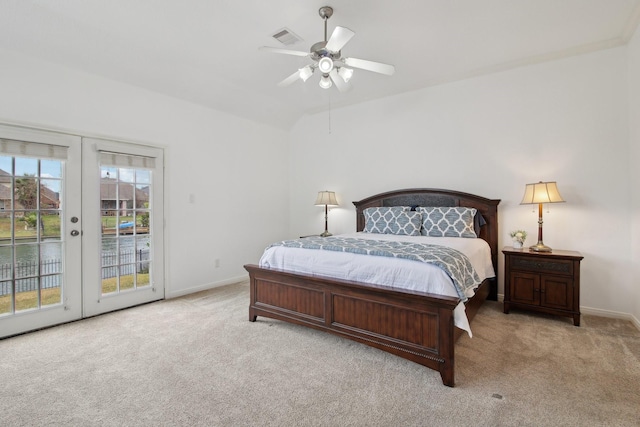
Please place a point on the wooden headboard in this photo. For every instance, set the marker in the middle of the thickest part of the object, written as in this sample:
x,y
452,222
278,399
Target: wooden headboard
x,y
435,197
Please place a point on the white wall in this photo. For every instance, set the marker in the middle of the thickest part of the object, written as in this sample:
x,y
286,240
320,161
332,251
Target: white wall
x,y
565,121
235,169
634,158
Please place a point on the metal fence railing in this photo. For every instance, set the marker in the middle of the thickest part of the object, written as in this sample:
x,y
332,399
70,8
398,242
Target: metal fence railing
x,y
46,274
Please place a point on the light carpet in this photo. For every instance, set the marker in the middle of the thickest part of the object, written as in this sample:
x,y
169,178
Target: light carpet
x,y
198,361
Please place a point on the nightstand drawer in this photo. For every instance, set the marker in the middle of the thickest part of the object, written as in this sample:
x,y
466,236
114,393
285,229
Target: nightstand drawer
x,y
533,264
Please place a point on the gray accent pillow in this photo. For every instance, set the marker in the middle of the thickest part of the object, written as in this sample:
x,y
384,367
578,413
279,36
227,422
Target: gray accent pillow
x,y
447,221
392,220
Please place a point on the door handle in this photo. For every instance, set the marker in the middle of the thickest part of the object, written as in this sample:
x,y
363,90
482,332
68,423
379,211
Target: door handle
x,y
74,233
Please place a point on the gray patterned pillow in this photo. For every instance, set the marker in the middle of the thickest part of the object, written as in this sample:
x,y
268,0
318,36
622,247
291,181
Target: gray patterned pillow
x,y
392,220
447,222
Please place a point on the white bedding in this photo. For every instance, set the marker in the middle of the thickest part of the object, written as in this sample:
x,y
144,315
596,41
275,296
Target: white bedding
x,y
395,272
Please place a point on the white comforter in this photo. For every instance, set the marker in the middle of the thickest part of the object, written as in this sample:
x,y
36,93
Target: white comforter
x,y
395,272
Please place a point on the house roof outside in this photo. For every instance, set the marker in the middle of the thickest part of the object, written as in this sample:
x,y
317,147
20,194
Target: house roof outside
x,y
109,186
48,198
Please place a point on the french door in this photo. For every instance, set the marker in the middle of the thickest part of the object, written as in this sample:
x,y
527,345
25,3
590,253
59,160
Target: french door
x,y
123,224
81,227
40,223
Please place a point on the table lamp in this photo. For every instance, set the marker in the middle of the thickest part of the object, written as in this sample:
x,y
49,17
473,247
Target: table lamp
x,y
326,198
539,193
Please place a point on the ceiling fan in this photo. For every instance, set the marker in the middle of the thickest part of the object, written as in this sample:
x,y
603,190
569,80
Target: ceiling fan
x,y
327,59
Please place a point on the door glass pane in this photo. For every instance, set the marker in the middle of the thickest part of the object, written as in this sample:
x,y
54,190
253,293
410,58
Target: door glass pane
x,y
51,169
6,276
27,296
6,297
26,226
6,165
6,229
26,192
51,228
31,247
51,292
26,166
126,213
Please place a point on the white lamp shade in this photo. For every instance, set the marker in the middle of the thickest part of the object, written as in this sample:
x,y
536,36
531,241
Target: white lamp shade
x,y
326,198
541,192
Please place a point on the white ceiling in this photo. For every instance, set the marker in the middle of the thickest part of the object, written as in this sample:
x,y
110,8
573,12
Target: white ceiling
x,y
206,51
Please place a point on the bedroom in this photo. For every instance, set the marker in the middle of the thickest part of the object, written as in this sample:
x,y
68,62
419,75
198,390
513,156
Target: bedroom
x,y
571,119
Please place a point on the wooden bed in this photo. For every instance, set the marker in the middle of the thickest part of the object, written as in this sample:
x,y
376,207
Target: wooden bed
x,y
416,326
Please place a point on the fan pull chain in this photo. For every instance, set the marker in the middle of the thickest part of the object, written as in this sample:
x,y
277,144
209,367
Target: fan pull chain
x,y
329,114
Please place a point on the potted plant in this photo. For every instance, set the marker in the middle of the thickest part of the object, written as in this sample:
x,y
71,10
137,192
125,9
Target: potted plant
x,y
518,236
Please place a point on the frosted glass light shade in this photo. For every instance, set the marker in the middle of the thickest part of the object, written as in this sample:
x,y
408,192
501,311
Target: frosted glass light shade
x,y
345,73
325,82
305,73
325,65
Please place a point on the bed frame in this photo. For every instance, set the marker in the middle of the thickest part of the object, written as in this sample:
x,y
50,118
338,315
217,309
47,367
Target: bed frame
x,y
417,326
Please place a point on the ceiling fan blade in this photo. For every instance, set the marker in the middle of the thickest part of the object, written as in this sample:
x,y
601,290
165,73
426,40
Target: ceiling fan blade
x,y
290,80
376,67
284,51
339,38
339,82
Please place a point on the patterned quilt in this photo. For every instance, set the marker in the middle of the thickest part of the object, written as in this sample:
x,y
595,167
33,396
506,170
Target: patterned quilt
x,y
453,262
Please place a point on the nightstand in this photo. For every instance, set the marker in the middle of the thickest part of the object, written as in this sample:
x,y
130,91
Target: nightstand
x,y
547,282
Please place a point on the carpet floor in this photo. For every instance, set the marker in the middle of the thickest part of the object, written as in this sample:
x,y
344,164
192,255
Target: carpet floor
x,y
198,361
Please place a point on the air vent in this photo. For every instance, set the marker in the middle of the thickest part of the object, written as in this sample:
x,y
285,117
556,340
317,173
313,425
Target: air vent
x,y
286,37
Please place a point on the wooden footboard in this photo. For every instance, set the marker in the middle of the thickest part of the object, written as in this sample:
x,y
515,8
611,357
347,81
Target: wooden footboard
x,y
415,326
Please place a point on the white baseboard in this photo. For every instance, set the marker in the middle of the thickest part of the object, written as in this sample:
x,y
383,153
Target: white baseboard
x,y
206,286
612,314
602,313
635,321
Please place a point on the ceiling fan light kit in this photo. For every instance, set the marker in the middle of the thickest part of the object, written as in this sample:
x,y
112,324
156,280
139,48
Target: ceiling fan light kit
x,y
327,57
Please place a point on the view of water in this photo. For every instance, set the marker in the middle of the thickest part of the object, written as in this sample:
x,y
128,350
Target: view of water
x,y
26,255
53,250
26,262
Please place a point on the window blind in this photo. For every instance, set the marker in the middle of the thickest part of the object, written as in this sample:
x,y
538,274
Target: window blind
x,y
126,160
33,149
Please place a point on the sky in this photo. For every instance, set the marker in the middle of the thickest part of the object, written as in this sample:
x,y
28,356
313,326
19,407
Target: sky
x,y
50,170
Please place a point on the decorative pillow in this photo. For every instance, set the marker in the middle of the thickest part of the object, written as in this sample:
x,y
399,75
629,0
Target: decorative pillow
x,y
447,222
392,220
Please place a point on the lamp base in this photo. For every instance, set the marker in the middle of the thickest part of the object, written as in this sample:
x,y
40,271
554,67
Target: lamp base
x,y
540,247
326,234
